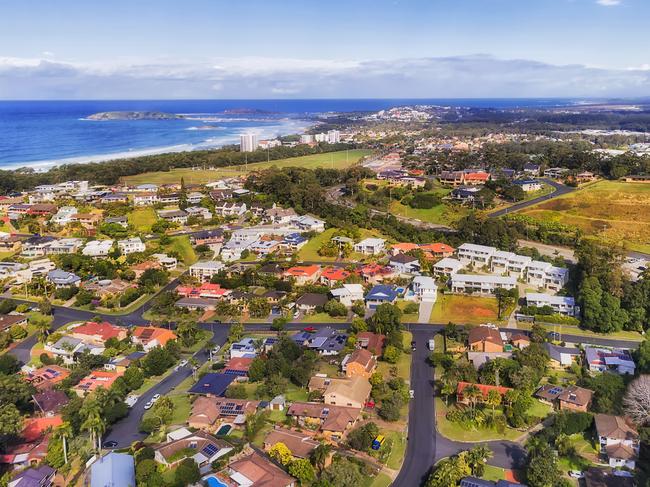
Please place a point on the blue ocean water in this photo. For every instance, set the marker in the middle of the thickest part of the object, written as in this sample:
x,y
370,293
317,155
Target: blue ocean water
x,y
43,133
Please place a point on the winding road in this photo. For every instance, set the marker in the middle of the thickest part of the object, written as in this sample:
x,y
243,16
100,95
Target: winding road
x,y
560,189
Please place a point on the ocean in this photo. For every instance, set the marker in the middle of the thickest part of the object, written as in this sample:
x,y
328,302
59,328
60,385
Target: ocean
x,y
41,134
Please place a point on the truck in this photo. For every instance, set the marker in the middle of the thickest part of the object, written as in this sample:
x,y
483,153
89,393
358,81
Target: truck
x,y
432,344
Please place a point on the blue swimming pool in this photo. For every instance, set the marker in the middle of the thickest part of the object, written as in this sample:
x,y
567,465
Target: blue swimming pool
x,y
224,430
214,482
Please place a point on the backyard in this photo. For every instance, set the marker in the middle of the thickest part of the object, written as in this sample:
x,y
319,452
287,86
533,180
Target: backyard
x,y
335,160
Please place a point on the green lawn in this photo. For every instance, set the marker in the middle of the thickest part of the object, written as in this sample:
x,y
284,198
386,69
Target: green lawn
x,y
335,160
396,456
309,252
443,214
456,431
574,330
322,318
142,219
407,317
539,409
380,480
181,244
472,310
493,473
403,363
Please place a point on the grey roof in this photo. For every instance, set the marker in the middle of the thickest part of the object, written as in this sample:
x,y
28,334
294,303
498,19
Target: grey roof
x,y
555,351
113,470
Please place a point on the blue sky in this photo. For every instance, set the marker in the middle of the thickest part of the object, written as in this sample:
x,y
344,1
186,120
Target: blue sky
x,y
272,48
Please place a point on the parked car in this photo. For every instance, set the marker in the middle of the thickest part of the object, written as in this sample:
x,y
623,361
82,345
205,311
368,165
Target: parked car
x,y
413,347
155,397
411,393
576,474
309,329
182,363
149,405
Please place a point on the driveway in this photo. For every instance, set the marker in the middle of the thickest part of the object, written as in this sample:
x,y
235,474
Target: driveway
x,y
426,307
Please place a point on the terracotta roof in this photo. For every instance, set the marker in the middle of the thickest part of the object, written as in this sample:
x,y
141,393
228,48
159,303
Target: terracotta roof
x,y
239,364
34,428
620,451
261,471
372,341
485,334
615,427
335,274
437,248
300,444
104,330
484,388
204,410
404,246
147,334
305,270
334,418
364,358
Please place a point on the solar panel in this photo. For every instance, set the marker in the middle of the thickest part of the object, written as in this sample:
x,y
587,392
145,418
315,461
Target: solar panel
x,y
210,449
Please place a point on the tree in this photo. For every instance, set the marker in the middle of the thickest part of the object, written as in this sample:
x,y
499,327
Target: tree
x,y
493,399
477,458
472,394
301,469
9,364
134,377
361,438
45,307
187,472
319,455
608,390
15,392
163,409
146,473
636,401
391,354
538,333
449,472
542,470
11,421
387,318
42,325
236,332
279,324
343,473
65,431
93,421
643,356
280,453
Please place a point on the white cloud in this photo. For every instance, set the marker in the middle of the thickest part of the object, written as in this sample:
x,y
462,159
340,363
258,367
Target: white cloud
x,y
608,3
436,77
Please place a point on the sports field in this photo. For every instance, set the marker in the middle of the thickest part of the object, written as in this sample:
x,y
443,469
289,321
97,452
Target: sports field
x,y
612,210
335,160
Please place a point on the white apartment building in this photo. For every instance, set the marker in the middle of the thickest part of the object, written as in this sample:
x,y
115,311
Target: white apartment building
x,y
333,137
447,267
248,142
425,288
509,263
564,305
478,255
203,271
544,274
556,278
97,248
131,246
307,139
370,246
145,199
481,284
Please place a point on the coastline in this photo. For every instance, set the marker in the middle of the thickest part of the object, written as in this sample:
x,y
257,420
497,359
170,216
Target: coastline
x,y
283,128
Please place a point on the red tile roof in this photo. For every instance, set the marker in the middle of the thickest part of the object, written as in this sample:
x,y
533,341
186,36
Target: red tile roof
x,y
335,274
305,270
104,330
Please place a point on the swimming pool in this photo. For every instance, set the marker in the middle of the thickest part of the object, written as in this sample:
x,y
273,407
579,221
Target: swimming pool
x,y
215,482
224,430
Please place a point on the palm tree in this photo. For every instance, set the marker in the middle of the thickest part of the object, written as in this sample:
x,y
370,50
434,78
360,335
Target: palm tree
x,y
93,422
195,366
447,390
65,431
42,326
493,399
319,456
472,394
476,458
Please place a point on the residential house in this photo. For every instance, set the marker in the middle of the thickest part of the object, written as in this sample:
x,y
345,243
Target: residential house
x,y
64,246
150,337
205,290
194,198
332,276
359,363
169,198
308,223
352,392
325,341
484,390
142,267
452,178
243,348
405,264
50,402
47,377
555,172
403,248
205,270
561,357
113,469
200,446
238,366
145,199
618,440
610,360
279,215
64,215
572,398
476,178
372,342
480,284
265,246
600,477
174,216
332,421
531,169
380,294
348,294
256,470
310,302
96,379
370,246
36,246
212,384
131,246
62,279
211,238
108,287
225,209
446,267
97,333
115,198
305,274
66,348
300,444
198,211
424,288
476,255
41,476
543,274
564,305
97,248
7,321
375,273
438,250
485,339
30,447
528,185
293,242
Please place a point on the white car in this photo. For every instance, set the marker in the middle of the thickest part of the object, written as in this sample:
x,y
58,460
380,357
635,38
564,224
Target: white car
x,y
216,349
148,405
182,363
155,397
576,474
130,400
411,393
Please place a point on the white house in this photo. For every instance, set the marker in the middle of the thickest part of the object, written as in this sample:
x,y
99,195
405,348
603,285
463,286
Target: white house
x,y
348,294
618,440
447,267
425,288
233,248
509,263
97,248
478,255
308,223
528,185
168,263
64,215
145,199
556,278
370,246
480,284
204,270
64,246
230,209
199,211
131,245
561,304
175,216
405,264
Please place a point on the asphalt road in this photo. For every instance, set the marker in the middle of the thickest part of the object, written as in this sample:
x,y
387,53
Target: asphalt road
x,y
560,189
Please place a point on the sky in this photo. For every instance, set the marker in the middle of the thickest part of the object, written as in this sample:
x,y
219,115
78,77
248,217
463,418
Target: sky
x,y
130,49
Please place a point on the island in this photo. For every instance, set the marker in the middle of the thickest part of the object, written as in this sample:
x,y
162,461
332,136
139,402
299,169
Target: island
x,y
134,116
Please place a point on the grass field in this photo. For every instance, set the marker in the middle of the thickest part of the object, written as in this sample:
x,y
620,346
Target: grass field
x,y
336,160
182,245
142,219
471,310
309,252
443,214
611,210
